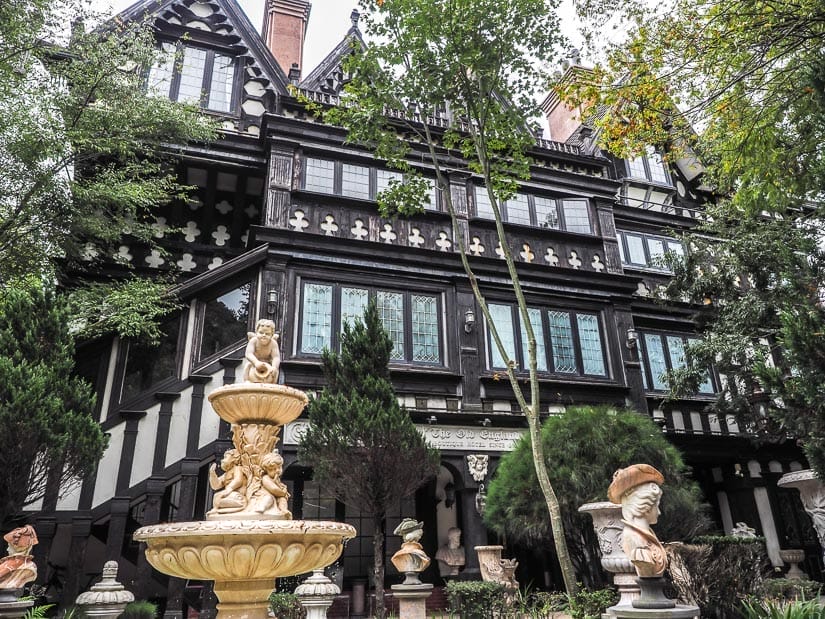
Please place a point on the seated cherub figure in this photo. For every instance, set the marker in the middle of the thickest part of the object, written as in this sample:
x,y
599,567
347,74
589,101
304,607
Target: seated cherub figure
x,y
229,487
262,359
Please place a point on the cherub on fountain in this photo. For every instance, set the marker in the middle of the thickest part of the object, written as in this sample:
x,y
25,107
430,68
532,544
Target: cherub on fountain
x,y
262,359
228,496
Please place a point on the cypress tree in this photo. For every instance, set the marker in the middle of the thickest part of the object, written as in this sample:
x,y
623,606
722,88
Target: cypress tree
x,y
361,443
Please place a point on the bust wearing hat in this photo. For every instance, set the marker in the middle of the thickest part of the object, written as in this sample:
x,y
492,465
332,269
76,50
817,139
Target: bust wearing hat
x,y
637,489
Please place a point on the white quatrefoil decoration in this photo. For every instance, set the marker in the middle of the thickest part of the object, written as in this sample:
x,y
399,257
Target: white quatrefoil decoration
x,y
526,253
186,264
642,290
443,242
358,230
251,211
573,260
159,228
597,263
220,235
329,226
123,254
153,259
298,221
415,238
499,251
216,262
550,257
191,231
476,248
223,207
387,234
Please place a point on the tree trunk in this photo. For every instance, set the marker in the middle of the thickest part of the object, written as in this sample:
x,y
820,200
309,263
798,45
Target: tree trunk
x,y
378,564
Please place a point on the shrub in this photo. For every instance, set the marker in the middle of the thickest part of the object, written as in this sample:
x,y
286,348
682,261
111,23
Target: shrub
x,y
585,604
771,609
536,605
140,609
286,606
476,599
790,589
717,573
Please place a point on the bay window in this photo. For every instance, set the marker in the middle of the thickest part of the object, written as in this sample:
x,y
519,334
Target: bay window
x,y
663,352
570,214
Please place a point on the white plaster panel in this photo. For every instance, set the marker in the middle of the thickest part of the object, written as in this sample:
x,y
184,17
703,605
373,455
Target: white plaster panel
x,y
733,427
715,426
69,499
724,510
254,88
763,506
179,427
754,468
253,107
502,406
110,380
774,466
106,480
210,422
678,421
437,403
696,422
147,435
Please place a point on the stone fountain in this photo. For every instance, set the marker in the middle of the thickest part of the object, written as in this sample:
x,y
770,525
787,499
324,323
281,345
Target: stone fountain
x,y
248,538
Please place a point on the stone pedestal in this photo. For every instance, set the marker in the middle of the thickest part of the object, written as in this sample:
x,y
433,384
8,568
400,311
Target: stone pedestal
x,y
106,599
679,612
316,594
10,606
607,522
412,600
812,493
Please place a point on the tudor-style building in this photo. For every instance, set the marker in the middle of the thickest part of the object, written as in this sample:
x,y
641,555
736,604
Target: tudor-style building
x,y
283,224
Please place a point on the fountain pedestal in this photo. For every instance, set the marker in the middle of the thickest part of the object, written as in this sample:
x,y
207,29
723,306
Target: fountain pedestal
x,y
249,537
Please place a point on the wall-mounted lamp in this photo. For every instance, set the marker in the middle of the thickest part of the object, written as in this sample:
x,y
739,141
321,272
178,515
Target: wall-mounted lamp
x,y
481,500
469,320
485,422
272,302
737,470
432,419
631,338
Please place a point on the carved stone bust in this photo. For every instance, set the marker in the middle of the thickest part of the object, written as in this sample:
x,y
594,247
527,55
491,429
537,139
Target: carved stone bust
x,y
451,557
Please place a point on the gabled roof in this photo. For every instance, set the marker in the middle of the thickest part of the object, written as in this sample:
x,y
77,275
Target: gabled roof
x,y
224,18
328,76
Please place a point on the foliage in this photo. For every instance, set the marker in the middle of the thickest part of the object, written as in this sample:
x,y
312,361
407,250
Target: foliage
x,y
38,612
444,79
48,437
719,573
771,609
286,606
587,604
361,443
751,77
476,599
584,447
84,148
790,589
140,609
538,604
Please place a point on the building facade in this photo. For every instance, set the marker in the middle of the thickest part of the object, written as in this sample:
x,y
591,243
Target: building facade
x,y
283,224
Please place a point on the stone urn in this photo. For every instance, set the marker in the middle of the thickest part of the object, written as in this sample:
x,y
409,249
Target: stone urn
x,y
812,493
108,598
793,557
607,523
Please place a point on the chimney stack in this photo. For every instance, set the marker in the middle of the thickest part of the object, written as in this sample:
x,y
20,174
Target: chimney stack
x,y
285,26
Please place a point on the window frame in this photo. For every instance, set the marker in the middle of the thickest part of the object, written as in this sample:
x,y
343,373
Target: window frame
x,y
624,249
558,202
336,326
647,372
206,79
550,361
648,168
200,318
338,180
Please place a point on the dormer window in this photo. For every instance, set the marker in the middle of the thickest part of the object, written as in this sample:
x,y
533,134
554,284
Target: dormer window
x,y
195,75
649,167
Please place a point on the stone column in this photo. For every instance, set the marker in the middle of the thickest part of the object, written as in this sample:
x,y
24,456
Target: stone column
x,y
812,492
316,594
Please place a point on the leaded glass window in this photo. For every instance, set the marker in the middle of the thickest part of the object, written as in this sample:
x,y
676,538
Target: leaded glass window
x,y
518,209
502,316
391,310
194,75
483,207
538,332
161,74
355,181
655,355
383,178
319,175
561,338
649,167
225,321
590,342
147,365
191,75
430,202
425,329
663,353
547,213
576,216
316,318
646,250
220,90
353,303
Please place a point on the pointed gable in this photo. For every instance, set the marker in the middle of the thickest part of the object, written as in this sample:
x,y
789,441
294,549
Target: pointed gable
x,y
328,76
228,48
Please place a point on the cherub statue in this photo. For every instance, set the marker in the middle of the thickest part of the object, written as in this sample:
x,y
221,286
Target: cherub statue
x,y
271,495
262,359
18,568
637,489
229,496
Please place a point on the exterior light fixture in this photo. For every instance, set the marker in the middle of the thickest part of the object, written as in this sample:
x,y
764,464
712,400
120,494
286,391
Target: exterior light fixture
x,y
469,320
632,338
432,419
272,302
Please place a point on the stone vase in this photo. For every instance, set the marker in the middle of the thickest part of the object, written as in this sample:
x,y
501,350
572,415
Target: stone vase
x,y
793,557
607,523
488,557
812,493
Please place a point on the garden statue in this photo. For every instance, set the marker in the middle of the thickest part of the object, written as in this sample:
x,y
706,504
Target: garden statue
x,y
410,558
262,359
18,568
743,530
637,489
451,557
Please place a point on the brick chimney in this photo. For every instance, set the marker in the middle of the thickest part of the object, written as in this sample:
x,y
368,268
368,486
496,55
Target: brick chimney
x,y
285,26
561,118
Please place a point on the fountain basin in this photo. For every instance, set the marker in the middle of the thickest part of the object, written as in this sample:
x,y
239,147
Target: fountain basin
x,y
244,403
243,557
